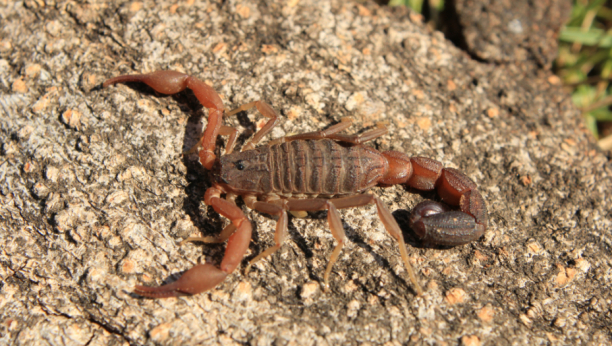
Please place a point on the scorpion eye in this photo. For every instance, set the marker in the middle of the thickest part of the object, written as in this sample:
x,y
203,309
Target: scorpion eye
x,y
239,165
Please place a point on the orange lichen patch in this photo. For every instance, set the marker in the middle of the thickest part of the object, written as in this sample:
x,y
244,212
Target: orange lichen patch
x,y
146,277
424,123
33,70
450,85
128,266
173,8
455,296
5,45
418,93
492,112
269,49
72,118
20,86
161,332
425,331
135,6
29,167
486,314
261,123
534,247
219,48
565,276
552,337
480,256
11,324
343,67
117,197
243,290
363,11
416,18
41,104
452,107
293,3
526,180
570,141
554,80
243,11
366,51
294,112
470,340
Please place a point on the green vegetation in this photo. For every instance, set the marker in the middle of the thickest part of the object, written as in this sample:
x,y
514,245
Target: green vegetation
x,y
584,62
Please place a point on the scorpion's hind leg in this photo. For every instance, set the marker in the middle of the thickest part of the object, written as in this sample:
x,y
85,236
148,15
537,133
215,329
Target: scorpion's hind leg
x,y
333,133
204,277
335,224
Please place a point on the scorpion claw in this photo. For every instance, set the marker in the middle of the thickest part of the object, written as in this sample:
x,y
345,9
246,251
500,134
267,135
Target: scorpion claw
x,y
200,278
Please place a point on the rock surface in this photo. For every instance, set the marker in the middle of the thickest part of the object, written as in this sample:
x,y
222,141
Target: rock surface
x,y
507,31
95,195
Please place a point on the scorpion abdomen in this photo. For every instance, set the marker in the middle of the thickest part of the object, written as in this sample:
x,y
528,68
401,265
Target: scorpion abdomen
x,y
322,167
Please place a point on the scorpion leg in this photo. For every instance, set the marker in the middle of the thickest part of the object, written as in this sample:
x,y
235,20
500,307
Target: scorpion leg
x,y
281,226
172,82
332,133
335,225
204,277
361,138
357,201
223,131
342,125
222,237
267,112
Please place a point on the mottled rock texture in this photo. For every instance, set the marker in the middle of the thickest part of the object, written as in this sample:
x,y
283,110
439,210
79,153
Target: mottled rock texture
x,y
95,195
507,31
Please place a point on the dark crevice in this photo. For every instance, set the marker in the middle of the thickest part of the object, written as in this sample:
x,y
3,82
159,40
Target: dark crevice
x,y
451,26
108,328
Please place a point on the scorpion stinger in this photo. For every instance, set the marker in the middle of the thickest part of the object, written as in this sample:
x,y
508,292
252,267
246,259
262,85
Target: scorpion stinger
x,y
321,170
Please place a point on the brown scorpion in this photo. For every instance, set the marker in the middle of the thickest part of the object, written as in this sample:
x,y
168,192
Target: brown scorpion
x,y
322,170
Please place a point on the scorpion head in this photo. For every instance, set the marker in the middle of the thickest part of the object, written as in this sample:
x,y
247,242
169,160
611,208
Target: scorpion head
x,y
242,171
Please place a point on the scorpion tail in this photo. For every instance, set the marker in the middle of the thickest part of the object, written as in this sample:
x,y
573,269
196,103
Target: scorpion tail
x,y
200,278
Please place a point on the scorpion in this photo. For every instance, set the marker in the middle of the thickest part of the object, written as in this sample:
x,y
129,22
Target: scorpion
x,y
321,170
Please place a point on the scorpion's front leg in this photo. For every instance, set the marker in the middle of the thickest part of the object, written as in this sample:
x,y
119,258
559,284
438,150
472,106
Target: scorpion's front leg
x,y
172,82
204,277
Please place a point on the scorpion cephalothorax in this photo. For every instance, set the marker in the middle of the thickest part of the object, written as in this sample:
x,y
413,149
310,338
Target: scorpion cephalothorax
x,y
322,170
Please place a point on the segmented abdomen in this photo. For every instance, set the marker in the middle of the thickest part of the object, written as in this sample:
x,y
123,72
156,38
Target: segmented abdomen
x,y
322,167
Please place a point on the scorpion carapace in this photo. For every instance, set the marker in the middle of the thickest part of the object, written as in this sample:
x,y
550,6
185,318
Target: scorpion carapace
x,y
322,170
